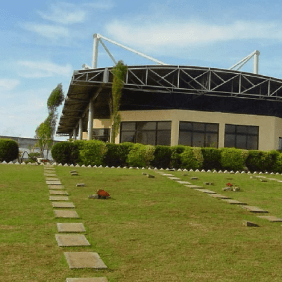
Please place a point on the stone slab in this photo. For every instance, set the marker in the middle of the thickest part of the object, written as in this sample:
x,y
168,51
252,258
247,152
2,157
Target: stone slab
x,y
58,192
70,227
174,178
206,191
96,279
271,218
56,187
58,198
67,240
167,174
218,196
194,178
195,186
249,224
234,202
50,174
52,179
254,209
63,205
184,182
53,182
84,260
66,213
49,169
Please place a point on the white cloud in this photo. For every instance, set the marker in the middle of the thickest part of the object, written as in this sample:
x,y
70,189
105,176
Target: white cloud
x,y
31,69
64,13
49,31
175,35
8,84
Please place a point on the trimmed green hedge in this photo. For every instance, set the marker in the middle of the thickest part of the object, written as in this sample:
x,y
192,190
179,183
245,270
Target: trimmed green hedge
x,y
95,152
9,150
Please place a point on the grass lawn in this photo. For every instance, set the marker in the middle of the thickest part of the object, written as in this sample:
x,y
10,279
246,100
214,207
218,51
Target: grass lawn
x,y
151,229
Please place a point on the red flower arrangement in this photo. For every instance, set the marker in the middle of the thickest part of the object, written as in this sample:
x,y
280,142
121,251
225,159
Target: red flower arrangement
x,y
229,184
103,194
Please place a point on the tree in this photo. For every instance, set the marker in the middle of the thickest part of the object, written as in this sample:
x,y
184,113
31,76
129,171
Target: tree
x,y
119,72
46,130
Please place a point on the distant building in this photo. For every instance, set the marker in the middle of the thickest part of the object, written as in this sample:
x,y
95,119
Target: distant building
x,y
171,105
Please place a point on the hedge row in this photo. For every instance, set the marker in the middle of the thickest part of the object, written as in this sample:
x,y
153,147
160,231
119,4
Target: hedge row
x,y
9,150
96,152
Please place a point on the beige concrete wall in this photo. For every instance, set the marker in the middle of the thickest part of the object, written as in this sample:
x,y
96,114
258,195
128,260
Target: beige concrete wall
x,y
270,128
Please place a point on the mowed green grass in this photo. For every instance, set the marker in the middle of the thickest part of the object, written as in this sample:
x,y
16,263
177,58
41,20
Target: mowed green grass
x,y
151,229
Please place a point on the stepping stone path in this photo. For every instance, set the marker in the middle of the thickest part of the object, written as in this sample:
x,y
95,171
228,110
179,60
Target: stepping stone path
x,y
184,182
254,209
84,260
271,218
71,227
74,259
57,192
58,198
234,202
96,279
195,186
66,240
206,191
174,178
219,196
66,213
63,205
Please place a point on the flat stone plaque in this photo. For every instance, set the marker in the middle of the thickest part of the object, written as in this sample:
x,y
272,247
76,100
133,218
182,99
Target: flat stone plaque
x,y
219,196
206,191
96,279
58,192
254,209
67,240
174,178
71,227
58,198
84,260
52,179
53,182
184,182
66,213
194,186
234,202
63,205
56,187
271,218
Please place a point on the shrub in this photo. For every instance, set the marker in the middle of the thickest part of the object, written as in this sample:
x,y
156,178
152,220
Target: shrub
x,y
116,154
262,161
192,157
65,152
162,156
278,164
212,158
9,150
92,152
233,159
141,155
176,151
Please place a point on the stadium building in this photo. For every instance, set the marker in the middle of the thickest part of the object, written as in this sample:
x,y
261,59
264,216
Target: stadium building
x,y
171,105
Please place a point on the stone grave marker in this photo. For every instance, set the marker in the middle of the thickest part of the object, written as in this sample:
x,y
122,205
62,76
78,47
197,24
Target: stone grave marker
x,y
184,182
249,224
50,174
63,205
71,227
80,185
58,198
56,187
167,174
194,178
58,192
66,213
95,279
271,218
254,209
208,183
52,179
74,174
174,178
234,202
67,240
150,176
84,260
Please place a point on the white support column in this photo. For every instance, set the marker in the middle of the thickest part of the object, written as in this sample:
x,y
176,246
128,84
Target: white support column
x,y
256,62
80,129
90,120
74,134
95,51
174,132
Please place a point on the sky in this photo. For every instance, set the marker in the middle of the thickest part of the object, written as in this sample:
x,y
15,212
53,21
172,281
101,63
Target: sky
x,y
43,42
